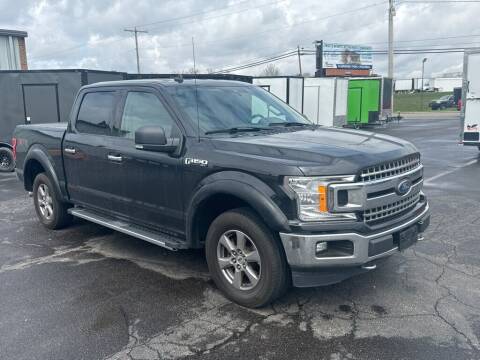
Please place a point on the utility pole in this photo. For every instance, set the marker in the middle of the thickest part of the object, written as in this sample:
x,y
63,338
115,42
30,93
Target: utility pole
x,y
299,60
423,73
391,14
135,32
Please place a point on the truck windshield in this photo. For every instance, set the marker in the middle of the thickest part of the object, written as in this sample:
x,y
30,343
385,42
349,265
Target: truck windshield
x,y
234,107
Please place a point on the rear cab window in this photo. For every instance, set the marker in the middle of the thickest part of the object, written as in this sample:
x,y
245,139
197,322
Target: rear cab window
x,y
96,113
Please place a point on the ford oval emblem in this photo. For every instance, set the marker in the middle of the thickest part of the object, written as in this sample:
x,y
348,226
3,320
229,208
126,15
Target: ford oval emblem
x,y
404,187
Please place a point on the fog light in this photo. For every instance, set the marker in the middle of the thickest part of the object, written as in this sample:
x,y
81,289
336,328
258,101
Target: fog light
x,y
321,247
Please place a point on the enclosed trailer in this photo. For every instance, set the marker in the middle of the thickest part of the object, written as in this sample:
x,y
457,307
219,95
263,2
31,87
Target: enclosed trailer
x,y
325,100
42,96
471,99
446,84
369,100
322,100
289,89
403,85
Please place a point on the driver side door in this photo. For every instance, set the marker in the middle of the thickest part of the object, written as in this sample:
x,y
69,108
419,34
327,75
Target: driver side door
x,y
151,181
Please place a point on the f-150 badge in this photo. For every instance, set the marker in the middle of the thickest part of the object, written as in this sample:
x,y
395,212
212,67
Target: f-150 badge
x,y
199,162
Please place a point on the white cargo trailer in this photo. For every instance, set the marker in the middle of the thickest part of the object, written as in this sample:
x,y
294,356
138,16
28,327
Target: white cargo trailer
x,y
403,85
288,88
471,95
325,101
446,84
322,100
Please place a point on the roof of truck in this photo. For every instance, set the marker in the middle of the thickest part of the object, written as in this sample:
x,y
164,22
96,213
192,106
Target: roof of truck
x,y
170,82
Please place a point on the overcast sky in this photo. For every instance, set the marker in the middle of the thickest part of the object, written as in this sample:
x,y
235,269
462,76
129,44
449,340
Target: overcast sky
x,y
89,33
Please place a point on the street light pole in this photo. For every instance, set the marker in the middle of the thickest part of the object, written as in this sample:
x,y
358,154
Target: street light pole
x,y
422,89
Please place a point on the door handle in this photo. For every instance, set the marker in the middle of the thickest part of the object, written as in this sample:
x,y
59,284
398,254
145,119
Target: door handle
x,y
116,158
70,150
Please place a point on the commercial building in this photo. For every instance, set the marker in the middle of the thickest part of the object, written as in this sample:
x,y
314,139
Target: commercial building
x,y
13,53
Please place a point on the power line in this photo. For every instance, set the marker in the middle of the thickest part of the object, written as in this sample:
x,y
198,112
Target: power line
x,y
191,15
216,16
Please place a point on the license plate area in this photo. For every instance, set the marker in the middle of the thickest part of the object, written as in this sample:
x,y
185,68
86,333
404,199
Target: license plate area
x,y
407,238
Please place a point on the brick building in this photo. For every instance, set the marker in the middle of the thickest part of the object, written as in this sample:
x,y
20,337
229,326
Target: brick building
x,y
13,53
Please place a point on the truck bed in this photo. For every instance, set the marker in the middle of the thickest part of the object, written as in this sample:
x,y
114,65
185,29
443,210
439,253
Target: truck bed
x,y
46,136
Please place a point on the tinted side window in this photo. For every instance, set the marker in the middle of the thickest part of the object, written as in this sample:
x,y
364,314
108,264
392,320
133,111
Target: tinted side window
x,y
96,112
142,109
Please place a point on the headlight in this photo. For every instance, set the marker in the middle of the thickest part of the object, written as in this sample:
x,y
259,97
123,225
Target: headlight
x,y
314,198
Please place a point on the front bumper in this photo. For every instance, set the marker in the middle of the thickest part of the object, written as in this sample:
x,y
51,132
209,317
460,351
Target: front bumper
x,y
308,269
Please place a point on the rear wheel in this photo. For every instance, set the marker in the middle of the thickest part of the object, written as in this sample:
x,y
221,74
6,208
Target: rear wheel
x,y
7,163
245,260
51,212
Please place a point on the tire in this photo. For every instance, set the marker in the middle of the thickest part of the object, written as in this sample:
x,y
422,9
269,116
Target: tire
x,y
51,211
271,270
7,163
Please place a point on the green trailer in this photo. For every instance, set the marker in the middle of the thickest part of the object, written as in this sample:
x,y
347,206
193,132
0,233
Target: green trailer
x,y
369,101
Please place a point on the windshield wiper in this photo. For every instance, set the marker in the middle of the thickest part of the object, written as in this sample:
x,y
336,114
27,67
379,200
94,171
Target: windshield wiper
x,y
237,129
289,123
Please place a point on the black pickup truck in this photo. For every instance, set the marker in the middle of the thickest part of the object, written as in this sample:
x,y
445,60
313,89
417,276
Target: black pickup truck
x,y
225,166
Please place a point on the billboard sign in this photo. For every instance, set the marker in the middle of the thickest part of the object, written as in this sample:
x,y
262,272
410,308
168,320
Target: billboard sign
x,y
343,56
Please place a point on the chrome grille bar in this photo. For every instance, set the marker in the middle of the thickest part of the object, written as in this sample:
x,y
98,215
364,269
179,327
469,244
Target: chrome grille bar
x,y
387,210
389,169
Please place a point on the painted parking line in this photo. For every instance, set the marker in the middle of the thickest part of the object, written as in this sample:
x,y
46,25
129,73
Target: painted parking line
x,y
430,180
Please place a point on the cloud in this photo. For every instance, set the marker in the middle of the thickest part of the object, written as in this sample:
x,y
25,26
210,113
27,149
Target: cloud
x,y
90,33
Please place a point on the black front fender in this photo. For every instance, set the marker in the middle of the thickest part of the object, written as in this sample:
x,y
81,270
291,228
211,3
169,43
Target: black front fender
x,y
245,187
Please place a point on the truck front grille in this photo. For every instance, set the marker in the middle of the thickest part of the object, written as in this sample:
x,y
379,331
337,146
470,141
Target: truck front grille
x,y
390,169
382,213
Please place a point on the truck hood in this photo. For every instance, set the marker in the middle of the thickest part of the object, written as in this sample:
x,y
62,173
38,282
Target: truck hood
x,y
320,151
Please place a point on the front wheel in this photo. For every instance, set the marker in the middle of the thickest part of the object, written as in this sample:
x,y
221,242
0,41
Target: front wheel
x,y
51,212
7,163
245,260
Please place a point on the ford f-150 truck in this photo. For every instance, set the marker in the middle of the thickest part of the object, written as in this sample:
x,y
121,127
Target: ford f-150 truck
x,y
273,199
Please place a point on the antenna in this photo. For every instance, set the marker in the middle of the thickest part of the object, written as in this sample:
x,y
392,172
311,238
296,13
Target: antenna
x,y
196,88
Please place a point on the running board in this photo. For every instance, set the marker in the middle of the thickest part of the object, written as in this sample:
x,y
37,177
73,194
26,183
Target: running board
x,y
164,240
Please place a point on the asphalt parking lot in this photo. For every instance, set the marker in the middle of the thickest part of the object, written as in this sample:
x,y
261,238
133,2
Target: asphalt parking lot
x,y
87,292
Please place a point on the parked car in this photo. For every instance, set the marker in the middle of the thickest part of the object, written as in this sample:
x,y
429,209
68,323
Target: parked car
x,y
7,158
228,167
446,101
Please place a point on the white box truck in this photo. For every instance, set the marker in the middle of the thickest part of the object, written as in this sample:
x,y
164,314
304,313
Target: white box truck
x,y
471,95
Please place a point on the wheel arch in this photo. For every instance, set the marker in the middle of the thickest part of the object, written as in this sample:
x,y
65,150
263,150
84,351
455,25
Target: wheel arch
x,y
6,145
37,161
228,190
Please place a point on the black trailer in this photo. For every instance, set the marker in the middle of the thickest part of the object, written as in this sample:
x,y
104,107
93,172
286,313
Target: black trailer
x,y
45,96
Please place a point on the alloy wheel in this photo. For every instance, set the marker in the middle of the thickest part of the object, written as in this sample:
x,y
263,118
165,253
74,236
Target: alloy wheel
x,y
239,260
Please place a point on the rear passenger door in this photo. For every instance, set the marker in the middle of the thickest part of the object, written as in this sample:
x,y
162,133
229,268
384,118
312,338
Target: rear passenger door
x,y
151,181
91,177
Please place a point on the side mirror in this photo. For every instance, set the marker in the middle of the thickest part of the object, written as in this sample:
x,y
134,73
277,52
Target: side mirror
x,y
152,138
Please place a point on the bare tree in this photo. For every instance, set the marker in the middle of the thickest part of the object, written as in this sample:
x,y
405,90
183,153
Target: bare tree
x,y
190,71
270,70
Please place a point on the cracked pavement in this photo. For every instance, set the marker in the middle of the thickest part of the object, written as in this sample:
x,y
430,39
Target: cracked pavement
x,y
87,292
